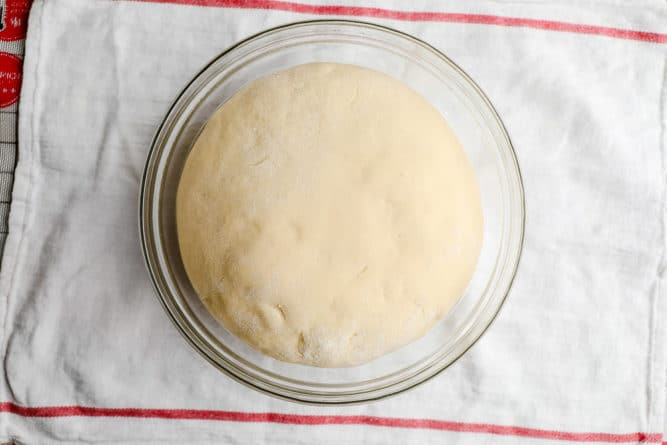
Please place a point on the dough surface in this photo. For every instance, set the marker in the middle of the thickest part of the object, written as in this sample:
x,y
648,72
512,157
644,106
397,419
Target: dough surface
x,y
327,215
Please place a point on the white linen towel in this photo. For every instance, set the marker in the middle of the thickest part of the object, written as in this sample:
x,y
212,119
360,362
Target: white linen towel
x,y
578,351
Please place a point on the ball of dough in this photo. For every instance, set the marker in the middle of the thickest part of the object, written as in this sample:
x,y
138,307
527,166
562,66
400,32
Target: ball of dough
x,y
328,215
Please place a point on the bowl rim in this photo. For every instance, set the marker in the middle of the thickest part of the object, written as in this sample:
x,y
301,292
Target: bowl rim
x,y
147,239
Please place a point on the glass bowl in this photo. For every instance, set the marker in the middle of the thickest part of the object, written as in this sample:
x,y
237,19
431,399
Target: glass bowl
x,y
471,116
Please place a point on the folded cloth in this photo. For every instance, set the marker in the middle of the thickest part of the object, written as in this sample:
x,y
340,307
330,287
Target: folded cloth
x,y
578,351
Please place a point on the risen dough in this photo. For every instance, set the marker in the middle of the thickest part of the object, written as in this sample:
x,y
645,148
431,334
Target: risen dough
x,y
327,215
